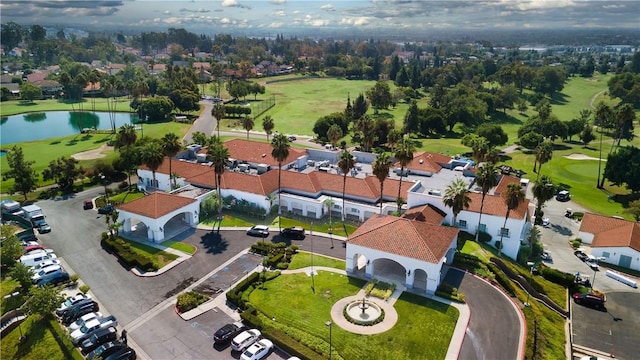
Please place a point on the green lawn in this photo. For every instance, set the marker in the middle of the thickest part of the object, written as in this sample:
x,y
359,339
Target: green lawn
x,y
180,246
45,339
160,257
303,259
321,226
125,197
9,286
423,330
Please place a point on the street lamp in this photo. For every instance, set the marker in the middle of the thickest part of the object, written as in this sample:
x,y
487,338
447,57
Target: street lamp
x,y
104,182
329,323
530,264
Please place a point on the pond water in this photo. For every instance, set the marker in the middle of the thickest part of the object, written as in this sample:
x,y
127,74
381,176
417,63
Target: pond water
x,y
51,124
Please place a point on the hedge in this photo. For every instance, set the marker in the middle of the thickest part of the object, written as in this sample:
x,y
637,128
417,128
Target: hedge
x,y
190,300
132,259
502,279
558,277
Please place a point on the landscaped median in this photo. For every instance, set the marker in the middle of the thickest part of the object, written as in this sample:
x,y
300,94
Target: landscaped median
x,y
135,254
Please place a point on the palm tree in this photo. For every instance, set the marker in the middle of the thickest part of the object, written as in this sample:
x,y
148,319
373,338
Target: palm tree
x,y
513,198
170,147
126,137
381,166
456,196
247,124
280,152
152,156
345,163
544,153
268,125
219,156
486,177
329,204
219,113
404,155
543,191
334,133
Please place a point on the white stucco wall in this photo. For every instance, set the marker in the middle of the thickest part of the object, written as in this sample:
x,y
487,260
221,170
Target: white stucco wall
x,y
586,237
155,227
614,254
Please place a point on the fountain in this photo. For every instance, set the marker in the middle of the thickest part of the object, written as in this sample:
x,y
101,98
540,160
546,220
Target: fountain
x,y
363,312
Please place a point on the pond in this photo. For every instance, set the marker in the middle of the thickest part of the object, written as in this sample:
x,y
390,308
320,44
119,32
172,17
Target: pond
x,y
51,124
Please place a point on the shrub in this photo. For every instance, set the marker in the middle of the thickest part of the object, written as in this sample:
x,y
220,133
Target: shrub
x,y
282,265
346,315
576,243
502,279
270,275
294,248
190,300
74,278
484,237
558,277
449,292
84,289
578,215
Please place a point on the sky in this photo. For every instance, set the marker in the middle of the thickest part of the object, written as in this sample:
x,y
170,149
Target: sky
x,y
291,16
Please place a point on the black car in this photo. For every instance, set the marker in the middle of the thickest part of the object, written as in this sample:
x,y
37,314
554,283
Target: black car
x,y
79,310
54,278
293,232
107,209
122,354
102,338
590,300
228,332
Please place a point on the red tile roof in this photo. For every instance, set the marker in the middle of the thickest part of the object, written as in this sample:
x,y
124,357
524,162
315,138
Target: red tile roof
x,y
426,161
156,205
495,205
611,232
258,152
427,213
404,237
505,180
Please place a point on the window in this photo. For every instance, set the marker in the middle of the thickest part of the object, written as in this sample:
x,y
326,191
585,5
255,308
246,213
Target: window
x,y
605,254
504,232
462,224
355,211
483,227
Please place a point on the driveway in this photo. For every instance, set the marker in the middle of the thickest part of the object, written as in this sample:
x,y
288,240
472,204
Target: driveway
x,y
493,328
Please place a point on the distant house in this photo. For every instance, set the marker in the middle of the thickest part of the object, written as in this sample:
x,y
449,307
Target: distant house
x,y
617,241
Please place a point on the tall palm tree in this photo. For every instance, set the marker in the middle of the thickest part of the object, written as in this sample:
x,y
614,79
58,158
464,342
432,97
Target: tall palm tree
x,y
126,137
404,155
544,153
456,196
219,156
268,125
381,166
152,156
219,113
513,198
345,163
329,204
247,124
486,177
334,133
170,147
280,152
543,191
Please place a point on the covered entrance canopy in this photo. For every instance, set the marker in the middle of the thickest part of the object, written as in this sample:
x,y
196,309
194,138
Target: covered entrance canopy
x,y
158,211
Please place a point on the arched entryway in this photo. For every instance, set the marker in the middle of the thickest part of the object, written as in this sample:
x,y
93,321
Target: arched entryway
x,y
420,279
389,269
359,264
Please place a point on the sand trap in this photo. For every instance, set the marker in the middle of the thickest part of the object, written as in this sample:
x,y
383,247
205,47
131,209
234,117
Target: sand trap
x,y
581,157
93,154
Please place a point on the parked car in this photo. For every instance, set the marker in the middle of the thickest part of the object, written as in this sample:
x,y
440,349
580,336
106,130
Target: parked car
x,y
83,319
107,209
590,300
244,339
563,195
46,271
70,301
593,264
546,256
45,263
35,257
581,254
293,232
89,328
55,278
44,228
258,350
546,222
33,247
103,338
228,332
122,354
87,204
292,138
258,230
78,310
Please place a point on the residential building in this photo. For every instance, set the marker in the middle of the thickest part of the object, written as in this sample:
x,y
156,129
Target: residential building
x,y
615,241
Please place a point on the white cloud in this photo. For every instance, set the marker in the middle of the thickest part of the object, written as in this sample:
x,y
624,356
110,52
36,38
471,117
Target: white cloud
x,y
225,21
276,24
355,21
279,13
278,2
229,3
327,7
525,5
166,12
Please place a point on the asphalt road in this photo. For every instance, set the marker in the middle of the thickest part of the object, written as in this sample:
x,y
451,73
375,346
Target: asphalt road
x,y
493,331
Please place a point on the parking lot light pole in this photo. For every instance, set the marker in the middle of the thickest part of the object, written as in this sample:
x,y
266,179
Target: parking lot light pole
x,y
329,323
104,182
530,264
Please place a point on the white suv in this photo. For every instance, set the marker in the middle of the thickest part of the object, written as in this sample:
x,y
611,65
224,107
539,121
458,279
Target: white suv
x,y
245,339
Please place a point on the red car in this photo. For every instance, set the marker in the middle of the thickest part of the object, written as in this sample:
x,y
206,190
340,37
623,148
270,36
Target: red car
x,y
30,248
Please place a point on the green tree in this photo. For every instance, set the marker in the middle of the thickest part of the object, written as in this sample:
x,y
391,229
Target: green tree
x,y
544,153
543,191
11,248
11,34
152,156
587,135
21,171
125,139
404,155
633,209
219,155
199,138
64,171
360,107
456,196
494,134
334,134
170,147
379,96
268,125
346,162
247,124
43,300
219,113
22,274
513,198
486,178
530,140
411,119
479,146
623,167
156,109
381,166
280,152
30,92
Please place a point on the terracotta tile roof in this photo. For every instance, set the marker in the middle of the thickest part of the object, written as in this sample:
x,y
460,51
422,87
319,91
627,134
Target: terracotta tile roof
x,y
611,232
253,151
494,205
156,205
505,180
404,237
184,169
427,213
426,161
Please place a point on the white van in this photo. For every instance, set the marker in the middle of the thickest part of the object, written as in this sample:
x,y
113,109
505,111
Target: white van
x,y
35,257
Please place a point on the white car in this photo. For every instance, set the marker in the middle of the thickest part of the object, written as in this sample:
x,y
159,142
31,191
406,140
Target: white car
x,y
244,339
45,263
85,330
84,319
546,222
258,230
258,350
45,271
71,301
